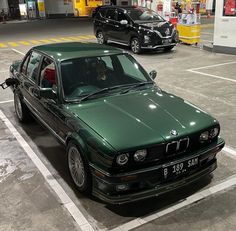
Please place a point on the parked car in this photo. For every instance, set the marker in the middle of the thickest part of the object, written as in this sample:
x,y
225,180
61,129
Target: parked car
x,y
140,28
125,138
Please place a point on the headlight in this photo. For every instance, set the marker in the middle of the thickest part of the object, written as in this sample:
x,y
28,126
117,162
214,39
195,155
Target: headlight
x,y
204,136
214,132
140,155
122,159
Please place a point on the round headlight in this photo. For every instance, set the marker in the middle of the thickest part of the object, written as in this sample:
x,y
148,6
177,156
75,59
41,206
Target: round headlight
x,y
140,155
214,132
204,136
122,159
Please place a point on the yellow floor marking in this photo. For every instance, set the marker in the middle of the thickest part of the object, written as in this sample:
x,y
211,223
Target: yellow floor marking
x,y
45,41
34,41
73,38
55,40
65,39
83,37
24,43
13,44
3,45
91,36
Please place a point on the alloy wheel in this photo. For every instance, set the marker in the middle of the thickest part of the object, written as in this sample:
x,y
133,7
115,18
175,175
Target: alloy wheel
x,y
135,46
18,107
100,38
76,166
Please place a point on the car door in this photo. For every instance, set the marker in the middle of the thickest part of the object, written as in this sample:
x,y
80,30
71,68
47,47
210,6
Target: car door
x,y
111,24
122,31
28,76
48,107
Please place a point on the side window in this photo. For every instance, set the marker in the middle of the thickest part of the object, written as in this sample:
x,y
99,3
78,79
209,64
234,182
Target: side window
x,y
121,16
48,77
24,65
108,62
102,13
33,65
111,14
131,68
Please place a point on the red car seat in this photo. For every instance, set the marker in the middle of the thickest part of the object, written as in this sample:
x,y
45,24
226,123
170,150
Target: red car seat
x,y
50,75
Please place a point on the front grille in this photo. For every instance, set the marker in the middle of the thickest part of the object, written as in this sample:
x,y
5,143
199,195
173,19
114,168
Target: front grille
x,y
177,146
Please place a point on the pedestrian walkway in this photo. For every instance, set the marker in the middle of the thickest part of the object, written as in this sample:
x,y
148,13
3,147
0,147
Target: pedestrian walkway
x,y
80,38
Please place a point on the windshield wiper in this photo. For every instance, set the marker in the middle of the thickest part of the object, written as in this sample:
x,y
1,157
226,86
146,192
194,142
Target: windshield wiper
x,y
137,85
103,90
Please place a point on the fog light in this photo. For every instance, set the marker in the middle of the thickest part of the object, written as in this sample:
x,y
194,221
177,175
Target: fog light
x,y
146,39
122,187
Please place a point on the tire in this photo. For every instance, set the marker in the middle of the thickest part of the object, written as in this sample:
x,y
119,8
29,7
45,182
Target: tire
x,y
79,169
135,46
101,38
169,48
22,111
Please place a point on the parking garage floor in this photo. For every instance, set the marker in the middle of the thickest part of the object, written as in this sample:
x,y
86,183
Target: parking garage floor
x,y
36,190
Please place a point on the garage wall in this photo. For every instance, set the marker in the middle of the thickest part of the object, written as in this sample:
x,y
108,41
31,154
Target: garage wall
x,y
59,8
225,31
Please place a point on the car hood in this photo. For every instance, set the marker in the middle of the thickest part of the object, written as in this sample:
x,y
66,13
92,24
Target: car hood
x,y
156,25
142,118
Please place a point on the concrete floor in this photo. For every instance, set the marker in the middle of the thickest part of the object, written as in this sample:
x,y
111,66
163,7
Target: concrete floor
x,y
29,203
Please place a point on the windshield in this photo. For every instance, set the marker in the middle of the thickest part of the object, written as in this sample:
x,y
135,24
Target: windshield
x,y
84,76
144,14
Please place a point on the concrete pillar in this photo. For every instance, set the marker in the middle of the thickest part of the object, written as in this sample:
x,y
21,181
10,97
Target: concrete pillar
x,y
225,29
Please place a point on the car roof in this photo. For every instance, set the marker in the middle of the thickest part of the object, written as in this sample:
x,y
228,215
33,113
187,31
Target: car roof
x,y
71,50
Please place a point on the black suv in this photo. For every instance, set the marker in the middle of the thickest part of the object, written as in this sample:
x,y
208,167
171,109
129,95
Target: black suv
x,y
137,27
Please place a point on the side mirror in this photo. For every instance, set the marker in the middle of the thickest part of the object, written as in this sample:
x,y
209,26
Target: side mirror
x,y
153,74
47,93
11,82
123,22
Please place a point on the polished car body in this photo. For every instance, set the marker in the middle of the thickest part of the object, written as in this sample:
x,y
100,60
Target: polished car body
x,y
126,139
140,28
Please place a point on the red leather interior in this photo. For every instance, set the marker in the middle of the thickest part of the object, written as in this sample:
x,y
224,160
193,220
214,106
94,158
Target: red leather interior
x,y
50,75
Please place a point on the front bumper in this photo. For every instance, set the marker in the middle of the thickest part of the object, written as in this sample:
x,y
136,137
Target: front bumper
x,y
148,181
157,41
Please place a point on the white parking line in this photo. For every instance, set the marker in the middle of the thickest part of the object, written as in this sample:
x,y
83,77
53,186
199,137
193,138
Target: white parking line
x,y
214,65
194,70
19,52
230,151
231,181
64,198
214,76
6,101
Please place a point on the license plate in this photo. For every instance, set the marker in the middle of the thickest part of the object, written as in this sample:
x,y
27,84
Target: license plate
x,y
165,41
177,169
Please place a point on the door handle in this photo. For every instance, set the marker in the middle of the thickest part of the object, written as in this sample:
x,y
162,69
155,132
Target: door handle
x,y
35,93
117,26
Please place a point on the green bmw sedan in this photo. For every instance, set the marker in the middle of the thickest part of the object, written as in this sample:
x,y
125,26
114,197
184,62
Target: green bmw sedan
x,y
126,139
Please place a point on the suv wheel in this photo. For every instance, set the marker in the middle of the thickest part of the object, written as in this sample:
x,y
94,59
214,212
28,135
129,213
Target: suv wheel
x,y
100,38
135,46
